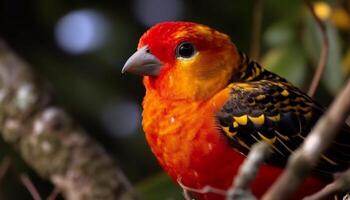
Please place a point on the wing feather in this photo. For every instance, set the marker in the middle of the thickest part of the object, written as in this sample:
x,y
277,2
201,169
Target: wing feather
x,y
281,115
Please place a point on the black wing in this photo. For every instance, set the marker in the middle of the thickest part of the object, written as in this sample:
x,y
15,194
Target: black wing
x,y
281,115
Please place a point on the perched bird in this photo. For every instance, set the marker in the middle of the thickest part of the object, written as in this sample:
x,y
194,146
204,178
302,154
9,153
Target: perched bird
x,y
207,103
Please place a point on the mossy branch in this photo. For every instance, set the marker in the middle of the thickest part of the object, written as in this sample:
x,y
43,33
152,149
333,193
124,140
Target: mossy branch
x,y
48,139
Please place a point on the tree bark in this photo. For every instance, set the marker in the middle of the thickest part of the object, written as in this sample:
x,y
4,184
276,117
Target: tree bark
x,y
48,139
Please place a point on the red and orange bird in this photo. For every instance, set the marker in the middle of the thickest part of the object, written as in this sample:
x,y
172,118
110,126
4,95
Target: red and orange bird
x,y
206,104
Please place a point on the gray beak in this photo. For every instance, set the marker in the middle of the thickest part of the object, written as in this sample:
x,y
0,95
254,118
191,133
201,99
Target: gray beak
x,y
142,62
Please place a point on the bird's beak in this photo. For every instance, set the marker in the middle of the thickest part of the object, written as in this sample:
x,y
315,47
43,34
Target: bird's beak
x,y
142,62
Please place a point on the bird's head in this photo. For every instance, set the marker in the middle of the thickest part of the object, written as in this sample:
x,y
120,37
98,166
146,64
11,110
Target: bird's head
x,y
184,60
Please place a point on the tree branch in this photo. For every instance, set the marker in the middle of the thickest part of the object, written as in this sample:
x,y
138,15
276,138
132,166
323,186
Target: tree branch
x,y
340,185
247,172
251,164
305,158
25,180
204,190
324,52
4,167
48,140
55,192
256,29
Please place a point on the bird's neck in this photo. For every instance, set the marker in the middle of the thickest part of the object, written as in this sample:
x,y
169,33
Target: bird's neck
x,y
250,70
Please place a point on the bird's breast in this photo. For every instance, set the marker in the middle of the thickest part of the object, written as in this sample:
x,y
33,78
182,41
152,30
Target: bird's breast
x,y
186,140
171,128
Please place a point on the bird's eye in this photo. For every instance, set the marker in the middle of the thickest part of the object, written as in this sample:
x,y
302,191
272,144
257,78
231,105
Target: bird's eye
x,y
148,51
185,50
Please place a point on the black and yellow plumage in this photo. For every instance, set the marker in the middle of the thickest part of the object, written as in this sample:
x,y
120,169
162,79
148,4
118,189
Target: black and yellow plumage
x,y
264,106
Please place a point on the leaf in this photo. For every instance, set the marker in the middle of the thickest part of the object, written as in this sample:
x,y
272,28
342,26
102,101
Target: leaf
x,y
288,62
159,187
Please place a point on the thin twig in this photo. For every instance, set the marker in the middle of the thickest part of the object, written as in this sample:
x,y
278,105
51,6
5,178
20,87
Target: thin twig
x,y
240,188
250,166
4,167
55,192
204,190
306,157
341,184
256,29
324,52
25,180
187,195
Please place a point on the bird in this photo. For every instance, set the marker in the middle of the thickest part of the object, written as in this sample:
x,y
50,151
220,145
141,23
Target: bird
x,y
206,103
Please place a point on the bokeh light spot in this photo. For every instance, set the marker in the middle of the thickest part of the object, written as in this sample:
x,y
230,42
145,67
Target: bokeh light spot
x,y
322,10
82,31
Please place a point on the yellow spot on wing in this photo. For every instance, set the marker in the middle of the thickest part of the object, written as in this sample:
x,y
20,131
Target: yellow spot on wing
x,y
279,84
226,129
257,71
275,118
235,124
228,133
260,97
285,93
242,75
258,120
242,120
273,146
269,141
308,115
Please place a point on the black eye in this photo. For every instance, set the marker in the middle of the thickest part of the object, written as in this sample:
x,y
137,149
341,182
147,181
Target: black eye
x,y
185,50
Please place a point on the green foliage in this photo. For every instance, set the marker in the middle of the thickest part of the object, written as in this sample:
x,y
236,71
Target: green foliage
x,y
288,62
159,187
279,34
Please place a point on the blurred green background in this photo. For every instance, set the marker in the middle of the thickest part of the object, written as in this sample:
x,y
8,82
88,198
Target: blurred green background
x,y
80,47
